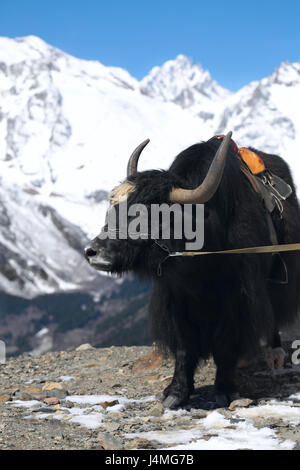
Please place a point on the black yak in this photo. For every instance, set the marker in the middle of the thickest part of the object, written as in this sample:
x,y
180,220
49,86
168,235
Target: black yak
x,y
220,305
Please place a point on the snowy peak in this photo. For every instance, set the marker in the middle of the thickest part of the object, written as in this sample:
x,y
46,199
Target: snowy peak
x,y
13,51
31,49
182,82
287,74
59,116
265,114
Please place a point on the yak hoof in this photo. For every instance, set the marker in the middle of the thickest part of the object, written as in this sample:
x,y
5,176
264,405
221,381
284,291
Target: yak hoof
x,y
171,402
223,400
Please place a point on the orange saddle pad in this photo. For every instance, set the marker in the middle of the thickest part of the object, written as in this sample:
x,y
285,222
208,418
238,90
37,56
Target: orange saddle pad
x,y
252,160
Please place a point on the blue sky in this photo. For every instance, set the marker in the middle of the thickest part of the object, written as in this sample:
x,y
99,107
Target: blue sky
x,y
236,41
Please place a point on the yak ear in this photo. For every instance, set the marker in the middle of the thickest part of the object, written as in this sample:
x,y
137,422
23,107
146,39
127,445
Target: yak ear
x,y
134,158
205,191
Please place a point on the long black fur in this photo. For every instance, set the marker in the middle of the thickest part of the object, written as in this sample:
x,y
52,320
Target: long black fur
x,y
220,305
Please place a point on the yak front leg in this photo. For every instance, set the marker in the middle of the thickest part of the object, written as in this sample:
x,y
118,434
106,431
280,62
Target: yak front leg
x,y
226,362
182,384
225,388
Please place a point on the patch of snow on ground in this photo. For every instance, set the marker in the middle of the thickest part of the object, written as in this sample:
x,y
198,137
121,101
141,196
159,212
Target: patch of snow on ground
x,y
23,403
66,378
96,399
90,420
215,420
274,409
295,396
245,436
215,432
90,416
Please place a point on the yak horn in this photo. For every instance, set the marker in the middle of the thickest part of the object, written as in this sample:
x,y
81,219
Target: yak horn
x,y
210,184
133,160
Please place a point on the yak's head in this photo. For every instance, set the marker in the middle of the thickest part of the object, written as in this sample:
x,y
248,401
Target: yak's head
x,y
129,241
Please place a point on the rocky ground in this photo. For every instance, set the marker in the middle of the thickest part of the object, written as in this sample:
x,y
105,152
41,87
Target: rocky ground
x,y
109,398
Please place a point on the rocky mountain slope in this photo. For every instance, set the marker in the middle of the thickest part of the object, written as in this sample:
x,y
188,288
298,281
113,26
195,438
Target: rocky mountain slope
x,y
63,320
109,399
40,250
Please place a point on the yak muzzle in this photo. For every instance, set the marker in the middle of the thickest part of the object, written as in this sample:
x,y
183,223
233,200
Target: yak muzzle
x,y
97,258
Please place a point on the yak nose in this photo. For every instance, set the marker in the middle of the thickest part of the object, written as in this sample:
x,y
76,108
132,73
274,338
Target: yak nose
x,y
89,252
97,258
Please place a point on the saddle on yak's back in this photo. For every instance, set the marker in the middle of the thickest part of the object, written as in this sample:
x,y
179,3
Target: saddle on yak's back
x,y
271,187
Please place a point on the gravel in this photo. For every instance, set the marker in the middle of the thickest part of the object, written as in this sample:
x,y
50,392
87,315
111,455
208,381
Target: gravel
x,y
109,398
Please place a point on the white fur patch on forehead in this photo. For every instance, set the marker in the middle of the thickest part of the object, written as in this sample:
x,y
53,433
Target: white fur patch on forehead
x,y
121,192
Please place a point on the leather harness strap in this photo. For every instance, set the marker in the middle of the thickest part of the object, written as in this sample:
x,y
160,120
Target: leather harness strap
x,y
257,189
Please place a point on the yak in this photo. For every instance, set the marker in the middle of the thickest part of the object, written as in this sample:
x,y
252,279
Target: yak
x,y
225,306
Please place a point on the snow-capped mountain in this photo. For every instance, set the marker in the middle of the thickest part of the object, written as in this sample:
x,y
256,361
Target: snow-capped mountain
x,y
265,114
182,82
68,126
188,85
